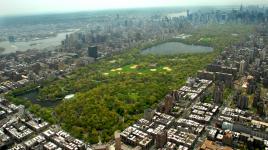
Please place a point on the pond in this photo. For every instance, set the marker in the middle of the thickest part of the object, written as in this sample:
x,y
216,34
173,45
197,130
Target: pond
x,y
32,97
172,48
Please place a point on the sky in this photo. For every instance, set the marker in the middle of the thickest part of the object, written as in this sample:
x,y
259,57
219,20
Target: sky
x,y
21,7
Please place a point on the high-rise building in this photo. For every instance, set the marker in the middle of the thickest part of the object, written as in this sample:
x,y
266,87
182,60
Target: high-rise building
x,y
257,98
237,96
263,54
205,75
168,104
228,138
251,56
161,139
117,140
175,95
257,61
218,92
11,39
242,103
261,108
148,114
265,82
251,85
188,13
93,51
242,67
225,78
241,8
67,42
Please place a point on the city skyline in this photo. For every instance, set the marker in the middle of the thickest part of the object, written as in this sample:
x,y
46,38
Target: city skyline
x,y
28,7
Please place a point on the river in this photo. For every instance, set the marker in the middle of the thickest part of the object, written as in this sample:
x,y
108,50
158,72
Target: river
x,y
44,44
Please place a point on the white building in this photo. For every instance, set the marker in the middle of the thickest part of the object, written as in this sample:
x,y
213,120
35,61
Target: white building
x,y
242,67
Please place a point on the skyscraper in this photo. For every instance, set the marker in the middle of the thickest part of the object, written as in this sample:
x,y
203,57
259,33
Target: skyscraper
x,y
218,93
93,52
161,139
261,108
188,13
251,56
168,104
242,103
242,67
251,85
228,138
257,62
148,114
263,54
11,39
257,98
117,140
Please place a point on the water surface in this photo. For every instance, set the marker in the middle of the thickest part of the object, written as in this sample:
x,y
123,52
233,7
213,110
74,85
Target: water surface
x,y
50,43
32,97
172,48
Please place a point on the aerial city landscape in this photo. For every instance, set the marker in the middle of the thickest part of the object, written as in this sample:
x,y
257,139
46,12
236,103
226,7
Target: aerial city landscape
x,y
141,77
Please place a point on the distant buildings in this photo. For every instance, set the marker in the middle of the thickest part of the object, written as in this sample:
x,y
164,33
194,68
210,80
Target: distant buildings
x,y
263,54
11,39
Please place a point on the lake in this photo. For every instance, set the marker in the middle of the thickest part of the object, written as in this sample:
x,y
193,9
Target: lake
x,y
32,97
172,48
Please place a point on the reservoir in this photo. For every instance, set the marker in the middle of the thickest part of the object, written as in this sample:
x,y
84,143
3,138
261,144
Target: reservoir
x,y
173,48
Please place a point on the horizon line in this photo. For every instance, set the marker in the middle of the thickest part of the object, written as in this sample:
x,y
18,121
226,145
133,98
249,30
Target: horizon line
x,y
119,9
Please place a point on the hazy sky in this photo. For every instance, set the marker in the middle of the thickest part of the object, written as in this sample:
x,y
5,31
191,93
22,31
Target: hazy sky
x,y
16,7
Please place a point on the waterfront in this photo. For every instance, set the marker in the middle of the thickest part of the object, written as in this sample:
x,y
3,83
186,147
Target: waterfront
x,y
44,44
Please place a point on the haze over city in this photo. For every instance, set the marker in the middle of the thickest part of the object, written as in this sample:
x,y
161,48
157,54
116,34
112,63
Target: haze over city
x,y
21,7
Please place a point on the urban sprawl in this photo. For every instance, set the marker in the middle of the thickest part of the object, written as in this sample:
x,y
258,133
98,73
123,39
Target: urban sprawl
x,y
183,120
